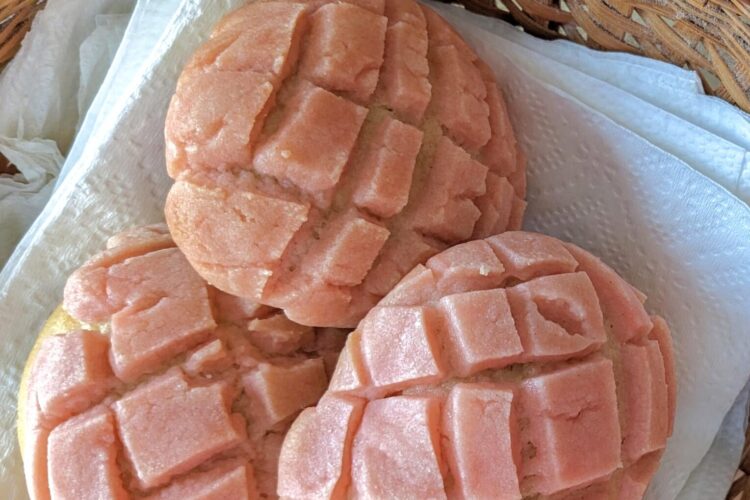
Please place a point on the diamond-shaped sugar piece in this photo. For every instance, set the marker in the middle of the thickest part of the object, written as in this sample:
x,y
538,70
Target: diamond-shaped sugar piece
x,y
404,83
496,205
208,357
168,311
277,334
557,316
71,373
445,209
82,458
387,168
468,266
459,97
350,375
396,450
400,347
480,430
573,431
223,482
645,397
346,250
314,461
314,140
621,302
168,427
280,391
344,50
481,331
529,255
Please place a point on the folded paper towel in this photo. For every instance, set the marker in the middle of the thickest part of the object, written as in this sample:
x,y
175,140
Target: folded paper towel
x,y
591,181
719,465
23,195
720,159
670,88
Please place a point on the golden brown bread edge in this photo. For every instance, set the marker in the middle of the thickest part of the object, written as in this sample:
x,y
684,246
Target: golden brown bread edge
x,y
58,323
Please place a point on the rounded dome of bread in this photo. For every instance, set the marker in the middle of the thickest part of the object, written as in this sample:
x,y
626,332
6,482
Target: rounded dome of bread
x,y
513,367
322,149
152,384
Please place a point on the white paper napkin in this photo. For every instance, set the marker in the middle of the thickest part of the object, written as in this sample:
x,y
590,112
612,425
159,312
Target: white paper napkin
x,y
95,56
40,85
23,195
670,230
672,89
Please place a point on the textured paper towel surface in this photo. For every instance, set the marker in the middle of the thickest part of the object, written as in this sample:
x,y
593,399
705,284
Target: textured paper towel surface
x,y
23,195
672,89
668,229
147,25
41,82
96,54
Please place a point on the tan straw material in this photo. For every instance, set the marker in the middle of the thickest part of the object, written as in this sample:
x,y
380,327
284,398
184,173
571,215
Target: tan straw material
x,y
15,21
709,36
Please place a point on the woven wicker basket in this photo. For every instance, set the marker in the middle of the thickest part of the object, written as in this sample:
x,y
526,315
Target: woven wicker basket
x,y
709,36
15,21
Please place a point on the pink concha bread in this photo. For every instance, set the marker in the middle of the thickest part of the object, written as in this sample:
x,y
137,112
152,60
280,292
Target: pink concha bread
x,y
322,149
512,367
152,384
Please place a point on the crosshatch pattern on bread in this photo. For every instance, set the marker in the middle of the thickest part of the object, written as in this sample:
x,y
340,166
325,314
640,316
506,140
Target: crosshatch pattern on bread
x,y
322,149
513,367
154,385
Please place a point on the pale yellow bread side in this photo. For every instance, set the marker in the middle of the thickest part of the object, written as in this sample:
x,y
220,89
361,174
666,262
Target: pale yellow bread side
x,y
58,322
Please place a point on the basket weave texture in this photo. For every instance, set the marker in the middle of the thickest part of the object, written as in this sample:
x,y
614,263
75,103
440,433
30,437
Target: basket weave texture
x,y
15,21
709,36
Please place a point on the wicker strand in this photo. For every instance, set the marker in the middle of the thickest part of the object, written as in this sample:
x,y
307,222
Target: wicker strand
x,y
6,167
15,21
709,36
